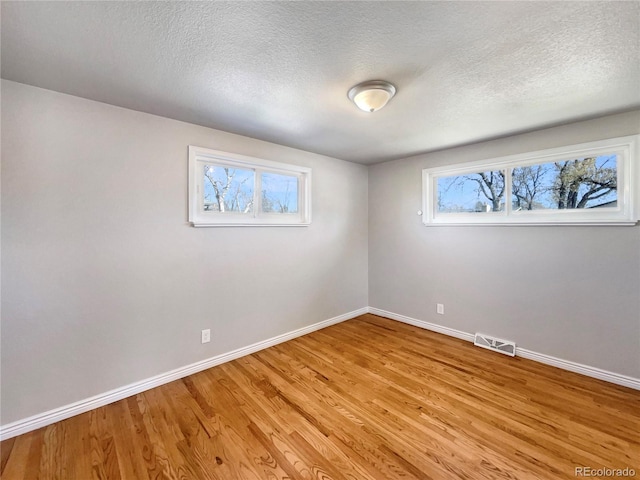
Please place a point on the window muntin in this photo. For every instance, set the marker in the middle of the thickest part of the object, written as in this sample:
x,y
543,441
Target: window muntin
x,y
591,183
229,189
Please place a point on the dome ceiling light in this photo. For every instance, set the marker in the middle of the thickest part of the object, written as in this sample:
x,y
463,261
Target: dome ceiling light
x,y
372,95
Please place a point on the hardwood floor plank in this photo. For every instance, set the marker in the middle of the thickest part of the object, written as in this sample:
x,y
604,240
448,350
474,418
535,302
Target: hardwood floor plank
x,y
131,459
5,451
164,430
237,412
367,399
20,461
141,436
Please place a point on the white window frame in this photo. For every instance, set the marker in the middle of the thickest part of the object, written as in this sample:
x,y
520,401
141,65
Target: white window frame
x,y
198,217
625,213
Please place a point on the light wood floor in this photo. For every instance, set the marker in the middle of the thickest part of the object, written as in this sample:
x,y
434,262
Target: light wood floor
x,y
369,398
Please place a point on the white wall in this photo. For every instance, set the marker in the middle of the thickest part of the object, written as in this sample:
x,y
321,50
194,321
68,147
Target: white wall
x,y
103,281
568,292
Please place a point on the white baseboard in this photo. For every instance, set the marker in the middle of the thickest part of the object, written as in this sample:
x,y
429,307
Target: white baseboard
x,y
47,418
422,324
587,370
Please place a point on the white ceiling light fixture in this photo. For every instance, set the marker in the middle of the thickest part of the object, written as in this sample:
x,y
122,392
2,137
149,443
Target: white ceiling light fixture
x,y
372,95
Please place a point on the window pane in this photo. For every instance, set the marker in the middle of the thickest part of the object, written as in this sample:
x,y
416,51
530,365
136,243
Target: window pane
x,y
279,193
590,182
228,189
471,193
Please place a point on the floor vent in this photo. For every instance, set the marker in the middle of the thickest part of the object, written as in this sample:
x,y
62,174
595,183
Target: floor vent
x,y
495,344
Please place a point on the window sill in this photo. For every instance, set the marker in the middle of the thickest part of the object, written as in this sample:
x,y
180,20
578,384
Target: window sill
x,y
205,225
531,224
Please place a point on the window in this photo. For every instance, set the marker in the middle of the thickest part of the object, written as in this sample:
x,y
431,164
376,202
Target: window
x,y
228,189
591,183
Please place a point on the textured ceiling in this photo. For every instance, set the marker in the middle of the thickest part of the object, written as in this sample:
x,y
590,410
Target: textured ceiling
x,y
280,71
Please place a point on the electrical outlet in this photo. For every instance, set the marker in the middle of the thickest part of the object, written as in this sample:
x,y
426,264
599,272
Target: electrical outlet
x,y
206,336
440,308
